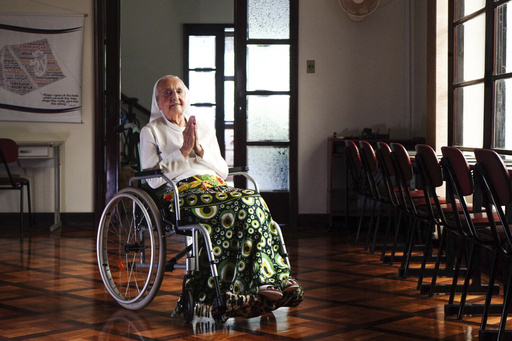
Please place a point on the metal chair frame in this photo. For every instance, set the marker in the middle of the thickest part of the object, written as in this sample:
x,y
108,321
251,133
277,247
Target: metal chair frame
x,y
9,155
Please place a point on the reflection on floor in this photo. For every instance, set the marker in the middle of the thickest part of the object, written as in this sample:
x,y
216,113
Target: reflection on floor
x,y
51,290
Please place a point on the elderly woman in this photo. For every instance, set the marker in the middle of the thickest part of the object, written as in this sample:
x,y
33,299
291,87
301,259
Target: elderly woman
x,y
244,238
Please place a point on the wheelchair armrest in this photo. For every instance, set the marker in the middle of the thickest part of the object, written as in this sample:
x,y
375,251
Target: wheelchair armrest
x,y
242,170
235,170
158,173
154,173
149,173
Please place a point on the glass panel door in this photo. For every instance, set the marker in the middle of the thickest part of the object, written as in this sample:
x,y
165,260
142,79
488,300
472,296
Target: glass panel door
x,y
266,100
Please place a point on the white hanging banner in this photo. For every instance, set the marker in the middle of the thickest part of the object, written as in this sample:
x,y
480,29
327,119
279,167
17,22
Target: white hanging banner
x,y
41,67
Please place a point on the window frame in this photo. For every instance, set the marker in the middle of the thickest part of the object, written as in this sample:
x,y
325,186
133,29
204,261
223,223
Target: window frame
x,y
219,31
488,80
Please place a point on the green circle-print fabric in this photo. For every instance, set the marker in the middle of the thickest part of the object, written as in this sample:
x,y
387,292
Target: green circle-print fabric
x,y
245,240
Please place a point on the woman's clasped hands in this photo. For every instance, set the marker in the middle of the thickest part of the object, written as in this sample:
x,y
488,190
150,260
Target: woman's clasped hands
x,y
191,139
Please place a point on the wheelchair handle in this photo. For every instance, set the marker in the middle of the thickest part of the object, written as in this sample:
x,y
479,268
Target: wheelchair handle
x,y
242,170
238,169
122,127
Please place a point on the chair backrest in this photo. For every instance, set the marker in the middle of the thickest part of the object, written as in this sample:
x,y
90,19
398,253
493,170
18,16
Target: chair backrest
x,y
459,184
455,162
355,165
497,174
368,156
9,150
493,179
384,155
432,178
8,154
403,175
403,161
353,154
429,164
370,167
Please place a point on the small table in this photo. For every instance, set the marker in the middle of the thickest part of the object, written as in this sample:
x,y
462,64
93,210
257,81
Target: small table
x,y
34,154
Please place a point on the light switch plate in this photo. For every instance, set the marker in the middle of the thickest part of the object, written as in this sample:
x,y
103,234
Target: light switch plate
x,y
311,66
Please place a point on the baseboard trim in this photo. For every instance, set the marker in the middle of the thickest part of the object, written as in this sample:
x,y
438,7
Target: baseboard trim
x,y
77,218
313,220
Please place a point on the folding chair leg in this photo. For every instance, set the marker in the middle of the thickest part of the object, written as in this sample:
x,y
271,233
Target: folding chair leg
x,y
377,225
428,245
361,217
29,201
488,297
408,251
386,235
21,209
506,304
456,276
395,241
466,282
370,225
442,238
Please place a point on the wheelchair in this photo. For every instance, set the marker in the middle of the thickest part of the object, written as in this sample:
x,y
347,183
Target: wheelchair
x,y
132,246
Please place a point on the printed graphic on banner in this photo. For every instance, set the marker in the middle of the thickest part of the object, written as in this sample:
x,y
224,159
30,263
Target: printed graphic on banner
x,y
40,67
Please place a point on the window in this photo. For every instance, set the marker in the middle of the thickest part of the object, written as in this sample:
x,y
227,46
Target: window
x,y
210,76
480,74
503,78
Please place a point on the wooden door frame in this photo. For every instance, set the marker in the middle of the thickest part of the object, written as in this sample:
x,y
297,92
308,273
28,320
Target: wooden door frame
x,y
272,198
108,103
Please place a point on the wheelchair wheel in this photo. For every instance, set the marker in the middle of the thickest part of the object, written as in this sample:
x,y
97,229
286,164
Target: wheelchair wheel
x,y
188,306
131,248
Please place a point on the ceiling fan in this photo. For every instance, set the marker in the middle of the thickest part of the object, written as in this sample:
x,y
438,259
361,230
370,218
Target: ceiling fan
x,y
358,10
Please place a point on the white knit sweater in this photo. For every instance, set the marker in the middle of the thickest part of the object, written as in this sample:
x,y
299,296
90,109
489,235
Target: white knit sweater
x,y
160,143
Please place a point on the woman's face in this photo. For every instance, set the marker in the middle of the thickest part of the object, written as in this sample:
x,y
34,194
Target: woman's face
x,y
171,97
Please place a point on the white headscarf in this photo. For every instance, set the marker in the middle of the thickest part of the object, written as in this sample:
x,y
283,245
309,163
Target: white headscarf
x,y
155,110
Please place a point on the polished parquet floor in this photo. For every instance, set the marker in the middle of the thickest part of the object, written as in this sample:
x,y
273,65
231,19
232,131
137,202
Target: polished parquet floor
x,y
51,290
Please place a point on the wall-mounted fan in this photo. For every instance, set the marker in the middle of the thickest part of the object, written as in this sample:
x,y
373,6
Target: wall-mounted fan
x,y
358,10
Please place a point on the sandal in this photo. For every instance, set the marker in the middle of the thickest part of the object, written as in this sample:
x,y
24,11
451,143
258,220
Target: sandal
x,y
271,292
292,285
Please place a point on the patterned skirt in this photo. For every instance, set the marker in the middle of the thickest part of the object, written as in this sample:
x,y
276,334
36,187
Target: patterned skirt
x,y
245,242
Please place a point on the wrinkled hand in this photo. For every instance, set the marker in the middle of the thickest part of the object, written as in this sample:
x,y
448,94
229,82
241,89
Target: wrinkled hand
x,y
191,139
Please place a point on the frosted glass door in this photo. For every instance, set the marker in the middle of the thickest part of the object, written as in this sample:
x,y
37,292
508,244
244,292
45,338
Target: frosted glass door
x,y
268,86
266,100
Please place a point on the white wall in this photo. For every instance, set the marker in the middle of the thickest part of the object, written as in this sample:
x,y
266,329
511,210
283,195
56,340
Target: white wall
x,y
366,76
77,152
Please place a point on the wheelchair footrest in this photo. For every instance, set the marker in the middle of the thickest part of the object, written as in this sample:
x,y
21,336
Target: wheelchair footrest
x,y
218,301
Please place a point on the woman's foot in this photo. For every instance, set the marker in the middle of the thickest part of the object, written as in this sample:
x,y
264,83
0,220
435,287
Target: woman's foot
x,y
292,285
270,292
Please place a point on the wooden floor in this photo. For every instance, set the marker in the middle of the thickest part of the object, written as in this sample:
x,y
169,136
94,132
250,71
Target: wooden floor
x,y
51,290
